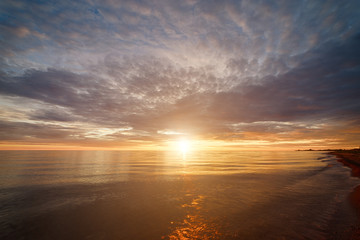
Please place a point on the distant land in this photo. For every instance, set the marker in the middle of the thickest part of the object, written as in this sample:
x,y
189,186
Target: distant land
x,y
349,157
332,150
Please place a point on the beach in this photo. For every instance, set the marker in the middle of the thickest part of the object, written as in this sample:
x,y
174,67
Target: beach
x,y
351,159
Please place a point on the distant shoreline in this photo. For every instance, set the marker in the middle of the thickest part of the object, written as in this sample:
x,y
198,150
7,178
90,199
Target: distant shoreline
x,y
340,150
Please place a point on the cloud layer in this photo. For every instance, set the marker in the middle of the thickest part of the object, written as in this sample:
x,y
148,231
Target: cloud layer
x,y
134,72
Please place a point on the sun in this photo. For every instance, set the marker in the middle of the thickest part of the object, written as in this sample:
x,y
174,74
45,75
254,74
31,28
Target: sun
x,y
183,145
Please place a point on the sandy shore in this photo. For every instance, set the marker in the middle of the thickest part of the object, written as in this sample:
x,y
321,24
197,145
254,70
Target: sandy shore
x,y
351,159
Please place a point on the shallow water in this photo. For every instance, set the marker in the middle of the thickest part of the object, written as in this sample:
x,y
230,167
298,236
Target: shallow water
x,y
168,195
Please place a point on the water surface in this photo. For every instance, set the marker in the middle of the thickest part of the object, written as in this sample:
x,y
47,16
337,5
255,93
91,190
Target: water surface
x,y
168,195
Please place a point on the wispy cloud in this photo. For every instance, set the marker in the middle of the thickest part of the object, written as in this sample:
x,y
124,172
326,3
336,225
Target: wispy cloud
x,y
230,70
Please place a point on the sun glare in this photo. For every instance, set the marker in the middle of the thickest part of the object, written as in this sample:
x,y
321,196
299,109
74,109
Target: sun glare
x,y
183,145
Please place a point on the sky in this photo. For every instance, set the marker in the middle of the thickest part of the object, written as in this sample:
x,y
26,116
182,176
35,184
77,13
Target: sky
x,y
248,74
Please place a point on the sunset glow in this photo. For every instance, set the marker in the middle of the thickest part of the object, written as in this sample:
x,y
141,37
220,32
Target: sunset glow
x,y
183,146
136,75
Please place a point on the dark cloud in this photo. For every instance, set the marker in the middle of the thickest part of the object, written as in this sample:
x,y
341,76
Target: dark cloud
x,y
32,132
53,115
53,86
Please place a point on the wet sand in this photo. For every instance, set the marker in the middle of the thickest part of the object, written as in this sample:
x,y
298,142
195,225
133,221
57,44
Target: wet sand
x,y
351,159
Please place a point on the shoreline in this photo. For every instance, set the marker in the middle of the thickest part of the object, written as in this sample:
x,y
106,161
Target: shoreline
x,y
351,159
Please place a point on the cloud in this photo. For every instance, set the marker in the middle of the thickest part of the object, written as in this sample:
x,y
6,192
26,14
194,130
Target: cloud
x,y
149,95
252,29
53,115
208,68
33,132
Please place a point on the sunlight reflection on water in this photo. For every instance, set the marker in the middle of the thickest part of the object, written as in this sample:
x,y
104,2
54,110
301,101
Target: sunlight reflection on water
x,y
194,226
49,167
